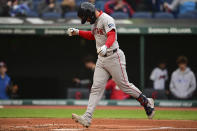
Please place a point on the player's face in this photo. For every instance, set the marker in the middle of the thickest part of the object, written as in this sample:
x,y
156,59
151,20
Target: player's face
x,y
89,65
3,70
162,65
182,66
88,20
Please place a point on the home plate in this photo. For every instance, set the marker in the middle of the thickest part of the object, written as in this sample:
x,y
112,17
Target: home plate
x,y
68,129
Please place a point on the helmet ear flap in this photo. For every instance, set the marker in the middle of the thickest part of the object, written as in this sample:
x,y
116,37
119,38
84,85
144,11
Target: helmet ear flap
x,y
93,19
84,19
91,15
81,14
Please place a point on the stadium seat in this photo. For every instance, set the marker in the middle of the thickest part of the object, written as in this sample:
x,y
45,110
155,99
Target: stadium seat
x,y
142,15
163,15
51,15
169,1
78,2
59,1
120,15
35,4
70,15
188,15
32,14
100,5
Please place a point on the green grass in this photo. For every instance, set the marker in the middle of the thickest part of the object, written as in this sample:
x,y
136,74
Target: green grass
x,y
66,113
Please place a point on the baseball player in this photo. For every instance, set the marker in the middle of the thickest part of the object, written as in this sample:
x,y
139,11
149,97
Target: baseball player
x,y
111,61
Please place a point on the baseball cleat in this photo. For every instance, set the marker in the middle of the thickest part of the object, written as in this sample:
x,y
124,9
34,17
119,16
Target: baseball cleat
x,y
80,120
150,110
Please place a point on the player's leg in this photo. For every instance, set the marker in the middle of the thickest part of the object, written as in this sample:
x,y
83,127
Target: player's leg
x,y
117,68
99,81
101,77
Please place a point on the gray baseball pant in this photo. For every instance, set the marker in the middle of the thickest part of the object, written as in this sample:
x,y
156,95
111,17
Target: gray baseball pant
x,y
115,66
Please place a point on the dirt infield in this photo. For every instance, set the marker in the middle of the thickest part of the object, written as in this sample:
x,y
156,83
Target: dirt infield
x,y
54,124
65,124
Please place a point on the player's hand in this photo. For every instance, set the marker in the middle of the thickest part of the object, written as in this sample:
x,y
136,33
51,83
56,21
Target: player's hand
x,y
72,31
102,50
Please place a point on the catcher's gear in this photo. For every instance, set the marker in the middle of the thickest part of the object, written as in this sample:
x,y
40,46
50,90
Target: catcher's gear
x,y
85,11
71,30
102,51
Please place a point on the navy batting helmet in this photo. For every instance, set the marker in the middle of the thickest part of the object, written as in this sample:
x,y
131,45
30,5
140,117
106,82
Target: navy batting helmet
x,y
85,11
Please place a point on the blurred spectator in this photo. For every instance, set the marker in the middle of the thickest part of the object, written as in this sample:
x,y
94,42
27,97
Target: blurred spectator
x,y
85,77
92,1
29,3
46,6
135,4
157,5
5,6
68,5
159,76
183,81
7,88
183,5
99,4
118,6
13,8
18,9
115,92
4,81
12,91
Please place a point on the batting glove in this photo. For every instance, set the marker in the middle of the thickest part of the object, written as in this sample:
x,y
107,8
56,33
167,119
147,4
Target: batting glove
x,y
72,31
102,51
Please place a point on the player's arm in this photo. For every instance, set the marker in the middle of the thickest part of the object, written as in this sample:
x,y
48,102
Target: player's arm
x,y
172,6
172,84
110,28
192,87
111,37
153,75
85,34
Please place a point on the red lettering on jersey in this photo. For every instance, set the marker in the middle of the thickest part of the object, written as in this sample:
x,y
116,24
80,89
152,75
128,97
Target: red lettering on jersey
x,y
98,31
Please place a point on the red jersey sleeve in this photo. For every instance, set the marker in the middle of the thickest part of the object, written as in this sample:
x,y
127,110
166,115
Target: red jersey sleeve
x,y
86,34
111,37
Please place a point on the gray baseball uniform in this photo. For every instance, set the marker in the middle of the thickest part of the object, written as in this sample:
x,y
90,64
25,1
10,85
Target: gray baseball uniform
x,y
102,26
113,65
